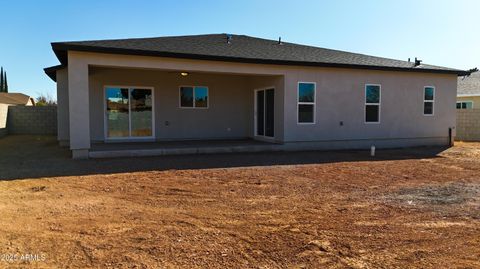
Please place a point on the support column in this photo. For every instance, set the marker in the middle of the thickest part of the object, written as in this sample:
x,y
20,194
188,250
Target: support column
x,y
79,107
280,100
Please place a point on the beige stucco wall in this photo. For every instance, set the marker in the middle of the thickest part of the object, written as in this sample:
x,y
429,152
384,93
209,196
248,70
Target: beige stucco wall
x,y
3,119
3,115
78,82
228,116
340,97
63,132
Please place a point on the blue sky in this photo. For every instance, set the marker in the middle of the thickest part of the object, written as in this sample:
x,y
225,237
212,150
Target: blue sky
x,y
439,32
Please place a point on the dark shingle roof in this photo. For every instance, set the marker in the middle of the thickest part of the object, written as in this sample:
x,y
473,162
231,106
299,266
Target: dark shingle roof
x,y
243,49
469,85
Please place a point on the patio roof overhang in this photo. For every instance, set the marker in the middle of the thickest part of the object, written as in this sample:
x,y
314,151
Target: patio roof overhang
x,y
52,71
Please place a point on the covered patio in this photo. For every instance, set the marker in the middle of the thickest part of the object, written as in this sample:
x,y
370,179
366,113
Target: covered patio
x,y
135,108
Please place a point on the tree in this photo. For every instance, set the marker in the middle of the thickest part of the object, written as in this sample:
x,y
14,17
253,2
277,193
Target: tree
x,y
5,87
1,79
45,100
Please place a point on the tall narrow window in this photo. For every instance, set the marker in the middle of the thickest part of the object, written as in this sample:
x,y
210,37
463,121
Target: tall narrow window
x,y
372,103
265,112
428,100
306,102
118,112
141,118
193,97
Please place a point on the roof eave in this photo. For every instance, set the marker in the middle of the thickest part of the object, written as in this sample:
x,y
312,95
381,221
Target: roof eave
x,y
61,50
52,71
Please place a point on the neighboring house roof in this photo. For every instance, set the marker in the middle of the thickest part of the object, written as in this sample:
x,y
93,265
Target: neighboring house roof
x,y
469,85
242,48
13,98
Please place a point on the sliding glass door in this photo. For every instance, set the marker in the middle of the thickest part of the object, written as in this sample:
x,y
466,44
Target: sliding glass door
x,y
264,112
129,112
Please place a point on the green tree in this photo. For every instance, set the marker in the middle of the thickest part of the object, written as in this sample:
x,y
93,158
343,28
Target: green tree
x,y
45,100
1,80
5,87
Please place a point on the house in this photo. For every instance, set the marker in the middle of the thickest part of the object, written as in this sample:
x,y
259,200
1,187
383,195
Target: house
x,y
11,99
232,87
16,99
468,93
468,108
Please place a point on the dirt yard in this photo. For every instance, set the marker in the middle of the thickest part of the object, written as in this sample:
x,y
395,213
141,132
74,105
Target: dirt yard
x,y
415,208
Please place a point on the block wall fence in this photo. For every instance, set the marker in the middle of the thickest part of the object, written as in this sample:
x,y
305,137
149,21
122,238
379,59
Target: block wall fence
x,y
32,120
468,125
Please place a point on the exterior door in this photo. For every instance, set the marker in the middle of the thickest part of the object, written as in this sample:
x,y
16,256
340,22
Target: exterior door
x,y
129,113
264,112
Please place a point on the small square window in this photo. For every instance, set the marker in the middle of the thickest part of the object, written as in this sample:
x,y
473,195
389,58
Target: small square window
x,y
193,97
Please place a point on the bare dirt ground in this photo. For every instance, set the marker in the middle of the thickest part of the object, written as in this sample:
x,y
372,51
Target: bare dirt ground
x,y
410,208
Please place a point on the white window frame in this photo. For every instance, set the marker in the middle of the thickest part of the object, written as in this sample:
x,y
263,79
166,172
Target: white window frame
x,y
466,101
255,117
105,122
429,101
379,104
314,103
194,101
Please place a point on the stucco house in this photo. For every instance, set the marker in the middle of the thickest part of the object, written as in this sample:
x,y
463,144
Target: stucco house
x,y
468,94
11,99
220,87
16,99
468,108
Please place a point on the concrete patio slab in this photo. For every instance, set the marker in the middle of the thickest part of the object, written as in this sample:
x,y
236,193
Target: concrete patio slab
x,y
141,149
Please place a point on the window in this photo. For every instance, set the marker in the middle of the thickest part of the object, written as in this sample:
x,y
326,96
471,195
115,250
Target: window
x,y
465,105
193,97
372,103
428,100
129,112
306,102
